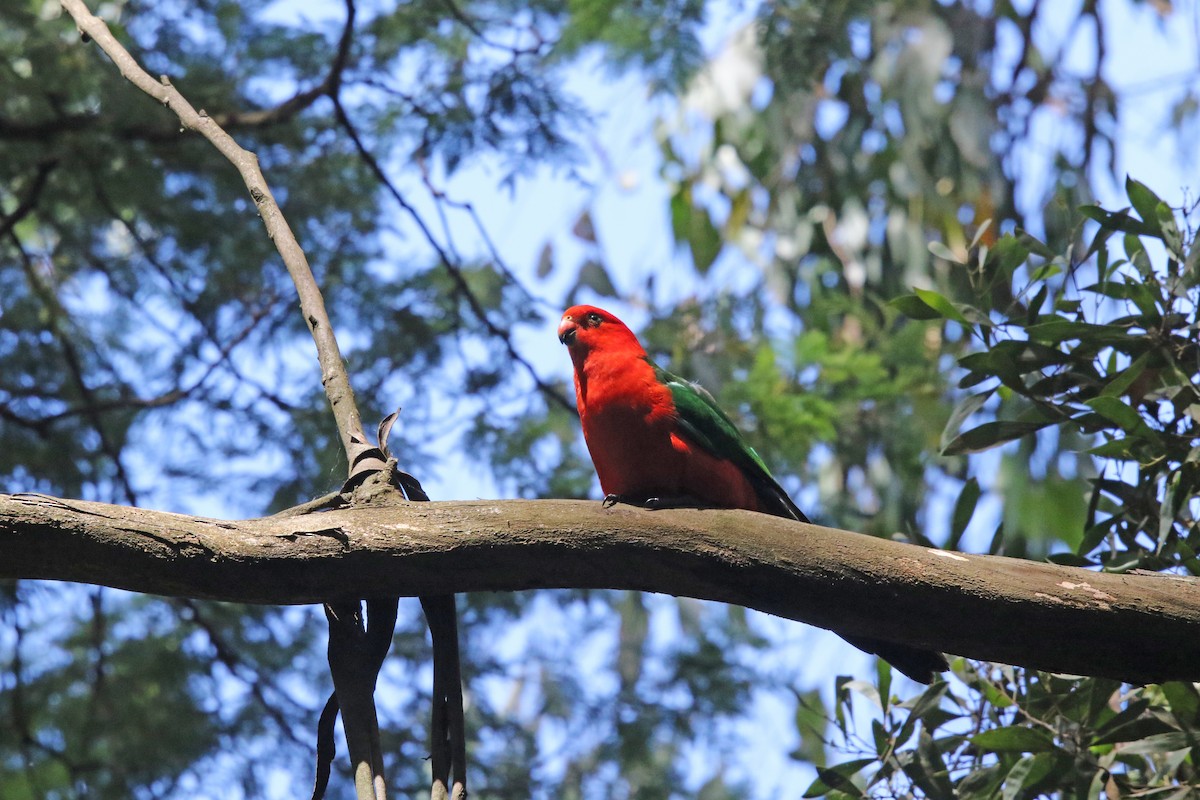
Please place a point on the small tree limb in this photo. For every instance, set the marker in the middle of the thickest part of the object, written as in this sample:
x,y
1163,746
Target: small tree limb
x,y
312,304
1141,628
353,679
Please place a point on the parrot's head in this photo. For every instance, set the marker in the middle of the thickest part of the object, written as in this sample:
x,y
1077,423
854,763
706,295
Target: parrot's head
x,y
584,329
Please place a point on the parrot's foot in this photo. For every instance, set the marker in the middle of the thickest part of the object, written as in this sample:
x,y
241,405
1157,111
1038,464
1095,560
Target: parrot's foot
x,y
653,502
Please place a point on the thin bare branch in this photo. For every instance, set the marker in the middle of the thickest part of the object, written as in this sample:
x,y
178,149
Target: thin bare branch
x,y
58,323
41,129
312,304
460,283
29,200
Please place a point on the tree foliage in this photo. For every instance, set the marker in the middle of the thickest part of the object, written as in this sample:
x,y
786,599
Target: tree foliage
x,y
1104,350
878,285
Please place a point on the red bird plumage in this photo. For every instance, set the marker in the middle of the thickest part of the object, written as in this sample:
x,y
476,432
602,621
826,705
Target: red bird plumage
x,y
654,436
630,422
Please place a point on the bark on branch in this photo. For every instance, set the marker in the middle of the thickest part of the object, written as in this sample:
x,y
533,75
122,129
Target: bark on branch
x,y
1141,628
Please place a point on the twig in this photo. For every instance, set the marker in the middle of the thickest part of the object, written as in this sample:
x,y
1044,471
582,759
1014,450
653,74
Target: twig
x,y
354,673
39,130
460,282
312,304
74,363
29,202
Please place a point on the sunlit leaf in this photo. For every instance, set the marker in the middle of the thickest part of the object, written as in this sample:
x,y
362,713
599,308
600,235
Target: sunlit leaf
x,y
941,305
1014,740
1144,201
913,307
943,252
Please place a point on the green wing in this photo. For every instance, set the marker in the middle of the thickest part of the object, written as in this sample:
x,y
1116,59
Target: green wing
x,y
704,423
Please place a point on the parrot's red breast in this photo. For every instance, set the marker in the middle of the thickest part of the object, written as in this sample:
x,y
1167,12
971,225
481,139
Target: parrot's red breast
x,y
654,434
630,421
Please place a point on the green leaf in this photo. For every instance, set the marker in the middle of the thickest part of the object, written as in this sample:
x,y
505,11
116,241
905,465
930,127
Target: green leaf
x,y
1014,740
995,695
1123,449
1035,305
1134,290
942,305
1006,255
913,307
964,509
1144,201
1158,743
1169,508
1136,252
962,412
989,435
1116,222
1124,415
812,722
1018,777
837,778
1169,228
918,707
883,677
692,225
1047,271
981,783
1183,699
1061,330
593,275
928,771
1034,245
880,737
1130,725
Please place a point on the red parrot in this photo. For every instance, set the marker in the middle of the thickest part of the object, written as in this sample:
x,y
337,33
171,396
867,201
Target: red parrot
x,y
657,439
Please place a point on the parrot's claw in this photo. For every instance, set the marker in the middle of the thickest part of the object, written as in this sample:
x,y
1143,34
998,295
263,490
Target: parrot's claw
x,y
652,502
611,500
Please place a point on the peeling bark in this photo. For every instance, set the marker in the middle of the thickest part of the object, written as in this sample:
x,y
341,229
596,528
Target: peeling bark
x,y
1140,628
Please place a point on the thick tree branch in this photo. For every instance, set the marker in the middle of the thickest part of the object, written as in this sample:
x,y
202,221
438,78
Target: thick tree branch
x,y
1140,628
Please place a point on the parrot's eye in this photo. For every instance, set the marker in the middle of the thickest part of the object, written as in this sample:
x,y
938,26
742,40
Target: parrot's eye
x,y
593,319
